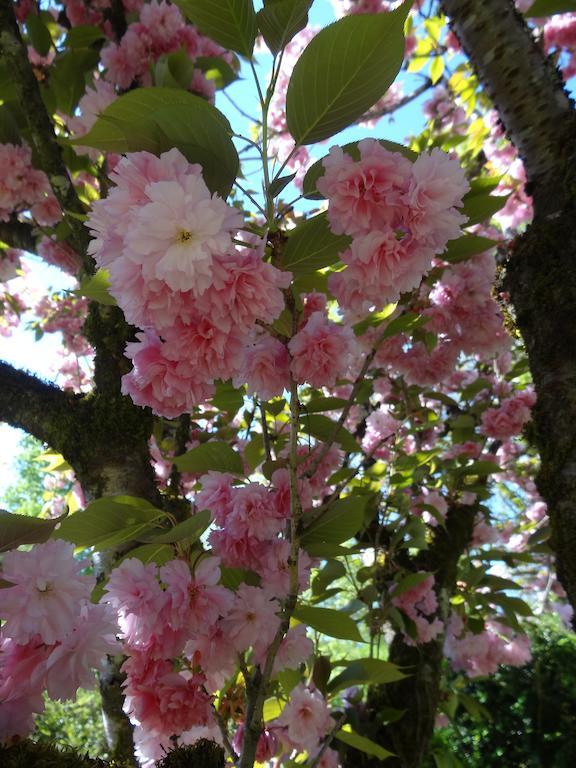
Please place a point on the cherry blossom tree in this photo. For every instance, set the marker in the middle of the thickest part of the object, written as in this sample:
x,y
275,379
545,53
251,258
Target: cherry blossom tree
x,y
292,406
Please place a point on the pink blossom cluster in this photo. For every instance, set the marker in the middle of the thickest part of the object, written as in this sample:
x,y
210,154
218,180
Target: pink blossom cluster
x,y
52,636
420,603
160,29
24,188
250,519
400,215
482,653
560,35
182,631
175,272
443,109
80,12
510,417
464,310
66,315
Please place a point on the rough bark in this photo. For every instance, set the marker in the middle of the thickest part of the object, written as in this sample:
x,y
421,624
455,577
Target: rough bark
x,y
540,119
418,694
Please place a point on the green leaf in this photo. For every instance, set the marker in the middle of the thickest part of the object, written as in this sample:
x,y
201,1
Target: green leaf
x,y
152,553
347,736
436,69
466,246
329,622
228,397
343,72
174,70
83,36
231,578
109,521
332,570
216,69
365,672
272,709
279,21
190,529
318,404
481,206
278,184
232,23
158,119
16,530
405,323
339,523
550,7
96,288
312,245
322,428
39,34
216,455
68,77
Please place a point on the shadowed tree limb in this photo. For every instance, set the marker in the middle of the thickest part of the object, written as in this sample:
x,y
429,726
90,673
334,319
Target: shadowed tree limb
x,y
18,234
30,404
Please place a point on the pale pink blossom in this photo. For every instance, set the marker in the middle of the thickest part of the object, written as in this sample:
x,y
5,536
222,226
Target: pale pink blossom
x,y
510,417
47,593
322,351
72,662
265,367
306,717
252,620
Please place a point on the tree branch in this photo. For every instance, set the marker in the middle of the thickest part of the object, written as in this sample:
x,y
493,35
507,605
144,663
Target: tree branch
x,y
15,55
18,234
524,84
31,404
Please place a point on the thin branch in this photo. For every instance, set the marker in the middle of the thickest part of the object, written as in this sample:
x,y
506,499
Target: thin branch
x,y
240,110
390,109
14,54
265,433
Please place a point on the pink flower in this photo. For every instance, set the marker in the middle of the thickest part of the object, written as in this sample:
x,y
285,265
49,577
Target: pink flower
x,y
306,717
252,620
366,195
47,593
322,351
510,418
177,233
244,289
162,701
134,591
437,186
265,368
195,601
253,513
169,387
216,495
71,663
